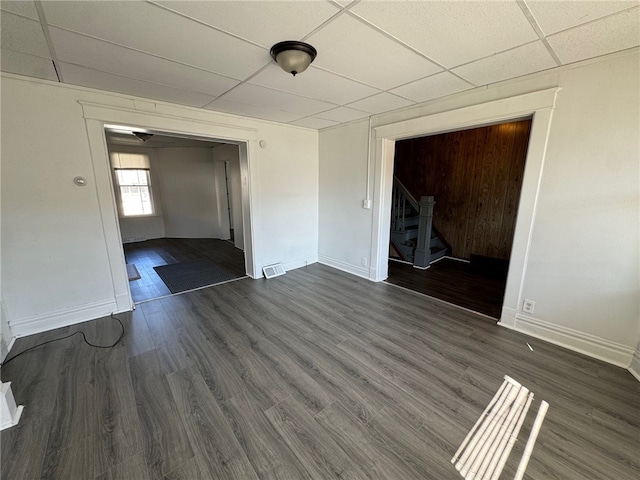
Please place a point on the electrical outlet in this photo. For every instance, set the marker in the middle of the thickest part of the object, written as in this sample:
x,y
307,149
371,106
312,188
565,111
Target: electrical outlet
x,y
366,204
364,261
528,305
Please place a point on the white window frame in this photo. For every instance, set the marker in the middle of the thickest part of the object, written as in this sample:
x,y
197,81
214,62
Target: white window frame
x,y
119,185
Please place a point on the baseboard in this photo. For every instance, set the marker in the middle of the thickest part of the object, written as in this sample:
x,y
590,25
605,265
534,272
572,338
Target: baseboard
x,y
63,318
634,368
345,267
590,345
302,262
4,349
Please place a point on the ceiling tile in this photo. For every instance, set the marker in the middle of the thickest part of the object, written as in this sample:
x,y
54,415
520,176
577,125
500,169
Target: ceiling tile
x,y
105,81
275,100
23,35
560,15
355,50
451,33
520,61
254,111
611,34
106,57
373,56
161,33
435,86
383,102
343,114
23,64
314,83
313,122
259,21
22,7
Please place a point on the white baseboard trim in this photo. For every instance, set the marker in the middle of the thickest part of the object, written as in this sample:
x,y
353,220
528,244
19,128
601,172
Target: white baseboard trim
x,y
634,368
4,349
345,267
11,343
590,345
64,318
302,262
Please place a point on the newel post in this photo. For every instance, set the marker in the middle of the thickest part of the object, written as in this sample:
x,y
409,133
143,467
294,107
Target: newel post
x,y
422,255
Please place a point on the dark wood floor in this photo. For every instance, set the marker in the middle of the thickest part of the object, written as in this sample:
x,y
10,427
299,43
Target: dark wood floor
x,y
164,251
455,282
314,374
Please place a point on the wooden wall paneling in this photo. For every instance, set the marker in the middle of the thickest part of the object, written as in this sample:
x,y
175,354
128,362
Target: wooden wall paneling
x,y
479,207
475,138
505,134
475,176
514,185
454,200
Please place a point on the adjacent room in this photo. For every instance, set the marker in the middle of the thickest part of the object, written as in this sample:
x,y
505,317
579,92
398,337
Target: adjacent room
x,y
179,204
465,188
320,239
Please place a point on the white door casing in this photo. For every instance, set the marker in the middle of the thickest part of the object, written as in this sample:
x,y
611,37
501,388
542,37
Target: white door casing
x,y
538,104
96,116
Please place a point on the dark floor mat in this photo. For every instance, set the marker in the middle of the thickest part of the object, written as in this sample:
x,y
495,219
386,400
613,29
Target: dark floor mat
x,y
180,277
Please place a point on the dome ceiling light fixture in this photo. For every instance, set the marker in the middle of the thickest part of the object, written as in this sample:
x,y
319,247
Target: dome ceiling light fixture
x,y
293,57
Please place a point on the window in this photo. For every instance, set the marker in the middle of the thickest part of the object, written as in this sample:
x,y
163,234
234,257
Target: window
x,y
135,191
133,183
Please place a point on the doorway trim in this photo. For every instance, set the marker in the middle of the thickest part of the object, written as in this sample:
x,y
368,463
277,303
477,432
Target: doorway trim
x,y
540,106
97,115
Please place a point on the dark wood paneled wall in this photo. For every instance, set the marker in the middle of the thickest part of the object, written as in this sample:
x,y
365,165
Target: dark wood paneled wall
x,y
475,176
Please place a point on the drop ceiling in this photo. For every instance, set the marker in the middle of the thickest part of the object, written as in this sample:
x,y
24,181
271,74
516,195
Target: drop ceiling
x,y
373,56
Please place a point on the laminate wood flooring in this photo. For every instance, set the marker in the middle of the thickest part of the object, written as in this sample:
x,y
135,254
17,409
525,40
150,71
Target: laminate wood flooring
x,y
454,282
316,374
165,251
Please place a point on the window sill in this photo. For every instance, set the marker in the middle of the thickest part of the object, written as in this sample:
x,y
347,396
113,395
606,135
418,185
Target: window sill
x,y
151,215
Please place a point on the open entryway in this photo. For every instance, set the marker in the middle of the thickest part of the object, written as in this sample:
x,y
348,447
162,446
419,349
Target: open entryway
x,y
453,213
539,107
179,204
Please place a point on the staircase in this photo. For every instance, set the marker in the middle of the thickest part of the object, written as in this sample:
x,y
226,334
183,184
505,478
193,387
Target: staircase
x,y
413,238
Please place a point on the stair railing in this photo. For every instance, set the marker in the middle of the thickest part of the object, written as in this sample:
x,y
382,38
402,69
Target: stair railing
x,y
401,197
422,254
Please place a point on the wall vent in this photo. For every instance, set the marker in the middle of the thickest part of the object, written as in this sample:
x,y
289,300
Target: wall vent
x,y
274,270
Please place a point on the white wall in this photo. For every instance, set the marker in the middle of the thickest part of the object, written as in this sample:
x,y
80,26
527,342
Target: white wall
x,y
187,181
6,335
345,227
582,268
60,257
292,225
135,229
230,154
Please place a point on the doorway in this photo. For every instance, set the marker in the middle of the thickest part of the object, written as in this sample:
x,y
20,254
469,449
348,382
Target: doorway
x,y
539,105
152,119
173,201
473,178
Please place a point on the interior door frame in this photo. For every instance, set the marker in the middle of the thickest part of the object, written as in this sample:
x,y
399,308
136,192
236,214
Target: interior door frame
x,y
97,116
538,105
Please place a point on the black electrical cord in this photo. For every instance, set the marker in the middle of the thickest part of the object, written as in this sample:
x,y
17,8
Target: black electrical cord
x,y
69,336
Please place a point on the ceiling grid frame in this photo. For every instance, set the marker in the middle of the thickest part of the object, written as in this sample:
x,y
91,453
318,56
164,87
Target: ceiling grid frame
x,y
337,95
